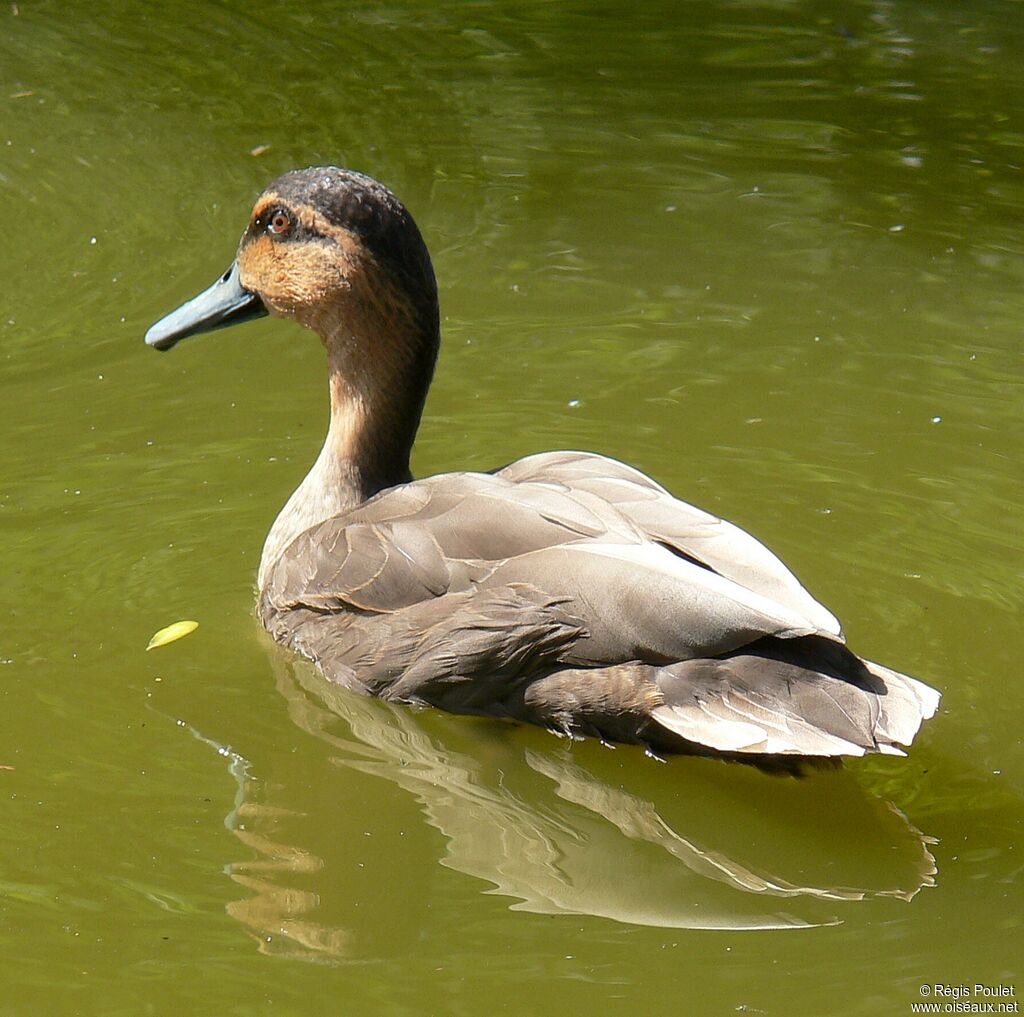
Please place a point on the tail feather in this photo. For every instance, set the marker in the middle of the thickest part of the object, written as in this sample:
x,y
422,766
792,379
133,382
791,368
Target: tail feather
x,y
906,705
808,696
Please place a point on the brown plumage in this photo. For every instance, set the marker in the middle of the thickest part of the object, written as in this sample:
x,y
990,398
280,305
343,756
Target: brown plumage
x,y
565,589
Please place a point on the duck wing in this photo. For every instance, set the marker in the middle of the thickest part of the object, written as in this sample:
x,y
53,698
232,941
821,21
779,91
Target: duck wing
x,y
572,591
432,550
807,695
715,543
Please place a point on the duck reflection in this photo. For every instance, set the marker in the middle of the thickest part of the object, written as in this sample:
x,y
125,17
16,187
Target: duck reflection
x,y
561,829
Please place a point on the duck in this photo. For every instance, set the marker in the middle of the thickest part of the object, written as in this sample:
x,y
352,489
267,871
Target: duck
x,y
565,589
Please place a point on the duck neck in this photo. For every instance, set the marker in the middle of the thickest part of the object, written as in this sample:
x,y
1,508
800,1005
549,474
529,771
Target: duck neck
x,y
378,379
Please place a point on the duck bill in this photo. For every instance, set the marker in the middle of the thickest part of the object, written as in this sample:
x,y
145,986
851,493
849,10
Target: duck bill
x,y
225,303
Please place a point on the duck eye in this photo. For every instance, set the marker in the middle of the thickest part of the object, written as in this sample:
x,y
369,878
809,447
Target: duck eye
x,y
279,222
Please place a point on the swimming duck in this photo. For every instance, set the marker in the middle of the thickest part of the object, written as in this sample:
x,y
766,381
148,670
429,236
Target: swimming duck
x,y
565,589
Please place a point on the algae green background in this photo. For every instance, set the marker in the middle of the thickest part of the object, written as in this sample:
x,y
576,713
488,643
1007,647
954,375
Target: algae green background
x,y
771,253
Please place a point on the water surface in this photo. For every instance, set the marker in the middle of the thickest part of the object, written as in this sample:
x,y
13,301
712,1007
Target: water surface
x,y
768,252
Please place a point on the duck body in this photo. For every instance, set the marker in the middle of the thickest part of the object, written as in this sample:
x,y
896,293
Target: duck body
x,y
565,589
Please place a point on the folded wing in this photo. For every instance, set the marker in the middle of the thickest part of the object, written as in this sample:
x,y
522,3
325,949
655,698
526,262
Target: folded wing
x,y
489,592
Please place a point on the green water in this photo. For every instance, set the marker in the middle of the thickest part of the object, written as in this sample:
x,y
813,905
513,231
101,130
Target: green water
x,y
771,253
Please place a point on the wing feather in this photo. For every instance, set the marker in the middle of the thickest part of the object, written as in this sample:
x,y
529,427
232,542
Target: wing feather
x,y
720,545
570,590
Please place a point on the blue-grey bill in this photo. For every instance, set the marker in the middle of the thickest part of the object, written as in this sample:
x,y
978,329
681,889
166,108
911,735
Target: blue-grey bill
x,y
224,303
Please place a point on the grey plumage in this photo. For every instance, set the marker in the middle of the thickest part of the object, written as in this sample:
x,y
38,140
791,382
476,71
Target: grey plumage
x,y
571,591
565,589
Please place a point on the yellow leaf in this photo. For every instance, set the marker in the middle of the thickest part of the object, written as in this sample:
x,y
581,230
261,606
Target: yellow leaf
x,y
176,631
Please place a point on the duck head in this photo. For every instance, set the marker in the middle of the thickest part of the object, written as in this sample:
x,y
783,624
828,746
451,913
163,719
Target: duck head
x,y
323,246
336,251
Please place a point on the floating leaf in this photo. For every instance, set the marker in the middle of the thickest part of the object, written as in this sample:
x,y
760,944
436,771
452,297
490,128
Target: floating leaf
x,y
176,631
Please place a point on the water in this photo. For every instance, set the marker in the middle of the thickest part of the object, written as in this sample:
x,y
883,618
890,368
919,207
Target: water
x,y
769,253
